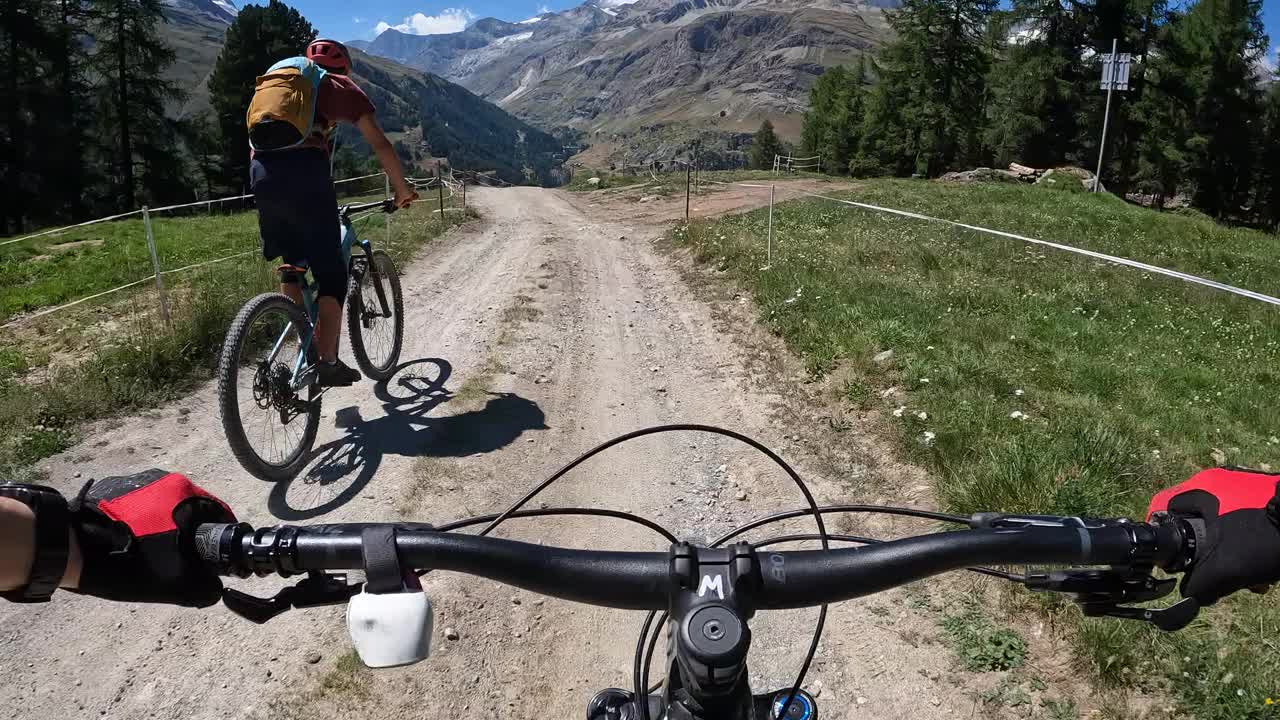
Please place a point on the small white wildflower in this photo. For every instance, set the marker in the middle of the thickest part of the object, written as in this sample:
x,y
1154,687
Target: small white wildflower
x,y
899,411
924,381
1156,453
927,437
1273,440
922,415
1018,415
930,347
1013,337
1019,392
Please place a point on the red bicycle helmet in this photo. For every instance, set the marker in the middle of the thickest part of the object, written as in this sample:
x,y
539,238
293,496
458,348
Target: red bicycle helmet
x,y
330,55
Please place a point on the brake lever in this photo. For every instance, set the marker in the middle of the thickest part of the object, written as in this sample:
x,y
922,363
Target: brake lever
x,y
1100,593
315,590
1174,617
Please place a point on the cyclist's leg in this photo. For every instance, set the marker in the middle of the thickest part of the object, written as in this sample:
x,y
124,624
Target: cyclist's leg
x,y
322,236
269,178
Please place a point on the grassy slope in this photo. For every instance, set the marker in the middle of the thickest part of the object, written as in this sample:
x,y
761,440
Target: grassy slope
x,y
123,359
1128,382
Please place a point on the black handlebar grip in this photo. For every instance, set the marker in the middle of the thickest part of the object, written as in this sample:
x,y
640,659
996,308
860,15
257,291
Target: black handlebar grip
x,y
217,543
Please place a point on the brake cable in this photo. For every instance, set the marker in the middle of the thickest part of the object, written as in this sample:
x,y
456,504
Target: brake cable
x,y
643,659
544,512
691,427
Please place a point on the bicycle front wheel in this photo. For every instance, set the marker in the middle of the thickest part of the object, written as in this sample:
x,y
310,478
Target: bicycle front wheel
x,y
270,426
376,335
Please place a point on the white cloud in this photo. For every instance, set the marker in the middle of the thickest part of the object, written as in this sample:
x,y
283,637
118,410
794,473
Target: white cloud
x,y
450,20
613,3
542,10
357,20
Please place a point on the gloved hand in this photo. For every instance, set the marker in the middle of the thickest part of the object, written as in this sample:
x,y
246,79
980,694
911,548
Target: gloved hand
x,y
136,536
1241,510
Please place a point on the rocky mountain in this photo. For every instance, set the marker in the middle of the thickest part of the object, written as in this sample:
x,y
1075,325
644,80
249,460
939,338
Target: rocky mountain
x,y
429,116
194,30
621,73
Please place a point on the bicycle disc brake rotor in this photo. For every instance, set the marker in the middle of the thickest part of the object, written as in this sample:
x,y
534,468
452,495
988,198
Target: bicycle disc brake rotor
x,y
271,389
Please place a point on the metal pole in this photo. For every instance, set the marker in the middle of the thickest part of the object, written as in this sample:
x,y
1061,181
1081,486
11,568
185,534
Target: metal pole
x,y
688,178
155,264
1106,116
440,189
768,261
464,197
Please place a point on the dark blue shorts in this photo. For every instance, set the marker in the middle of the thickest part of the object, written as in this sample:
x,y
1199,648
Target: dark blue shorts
x,y
298,214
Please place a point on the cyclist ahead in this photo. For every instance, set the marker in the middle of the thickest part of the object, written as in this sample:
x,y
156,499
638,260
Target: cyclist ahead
x,y
296,106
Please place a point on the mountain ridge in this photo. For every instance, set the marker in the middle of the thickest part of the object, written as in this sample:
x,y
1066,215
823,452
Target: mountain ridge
x,y
617,73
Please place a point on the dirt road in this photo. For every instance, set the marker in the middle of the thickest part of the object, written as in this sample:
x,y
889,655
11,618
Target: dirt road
x,y
531,335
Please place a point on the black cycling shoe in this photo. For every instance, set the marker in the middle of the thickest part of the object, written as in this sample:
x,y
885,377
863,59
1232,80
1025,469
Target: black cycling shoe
x,y
337,374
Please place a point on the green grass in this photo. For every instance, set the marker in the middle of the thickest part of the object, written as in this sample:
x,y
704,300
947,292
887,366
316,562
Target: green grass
x,y
115,356
670,181
1029,379
607,180
980,644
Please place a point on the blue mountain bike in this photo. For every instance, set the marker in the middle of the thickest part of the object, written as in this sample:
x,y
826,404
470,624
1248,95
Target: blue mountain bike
x,y
268,391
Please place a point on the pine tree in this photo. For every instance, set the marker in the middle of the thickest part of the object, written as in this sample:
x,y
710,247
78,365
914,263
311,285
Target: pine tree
x,y
924,113
201,137
68,118
258,38
1161,151
29,39
833,123
132,58
1267,199
765,146
1036,86
1215,48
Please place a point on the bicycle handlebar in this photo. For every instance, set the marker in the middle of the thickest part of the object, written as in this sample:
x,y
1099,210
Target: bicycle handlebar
x,y
387,206
645,580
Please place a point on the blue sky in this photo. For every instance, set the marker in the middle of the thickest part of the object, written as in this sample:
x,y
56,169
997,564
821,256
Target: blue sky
x,y
347,20
350,20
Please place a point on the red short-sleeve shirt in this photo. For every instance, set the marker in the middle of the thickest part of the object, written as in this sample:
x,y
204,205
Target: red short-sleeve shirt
x,y
340,100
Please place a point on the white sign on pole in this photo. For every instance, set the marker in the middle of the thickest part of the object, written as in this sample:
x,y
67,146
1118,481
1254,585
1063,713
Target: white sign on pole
x,y
1115,71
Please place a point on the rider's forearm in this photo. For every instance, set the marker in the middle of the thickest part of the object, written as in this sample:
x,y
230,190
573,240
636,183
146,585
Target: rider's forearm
x,y
17,547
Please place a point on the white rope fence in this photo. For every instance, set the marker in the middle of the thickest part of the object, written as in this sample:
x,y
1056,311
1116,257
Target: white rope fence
x,y
1115,259
158,273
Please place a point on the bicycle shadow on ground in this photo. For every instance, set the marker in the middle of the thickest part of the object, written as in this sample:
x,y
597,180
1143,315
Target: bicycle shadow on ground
x,y
339,471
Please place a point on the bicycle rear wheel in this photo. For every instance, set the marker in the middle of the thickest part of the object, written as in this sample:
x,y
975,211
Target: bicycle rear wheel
x,y
270,428
376,338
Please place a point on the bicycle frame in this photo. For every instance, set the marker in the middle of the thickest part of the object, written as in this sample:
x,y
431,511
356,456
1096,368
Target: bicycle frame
x,y
349,239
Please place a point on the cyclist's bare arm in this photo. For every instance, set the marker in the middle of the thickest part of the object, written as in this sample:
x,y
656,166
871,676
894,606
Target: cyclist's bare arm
x,y
372,132
17,547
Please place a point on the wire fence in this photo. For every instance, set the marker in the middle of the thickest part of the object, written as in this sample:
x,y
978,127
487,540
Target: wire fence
x,y
1117,260
167,235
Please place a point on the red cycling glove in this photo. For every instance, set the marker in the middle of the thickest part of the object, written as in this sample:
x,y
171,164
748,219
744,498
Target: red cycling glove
x,y
1241,510
136,536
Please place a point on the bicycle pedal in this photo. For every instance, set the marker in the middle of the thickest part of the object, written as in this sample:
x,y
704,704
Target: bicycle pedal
x,y
309,376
